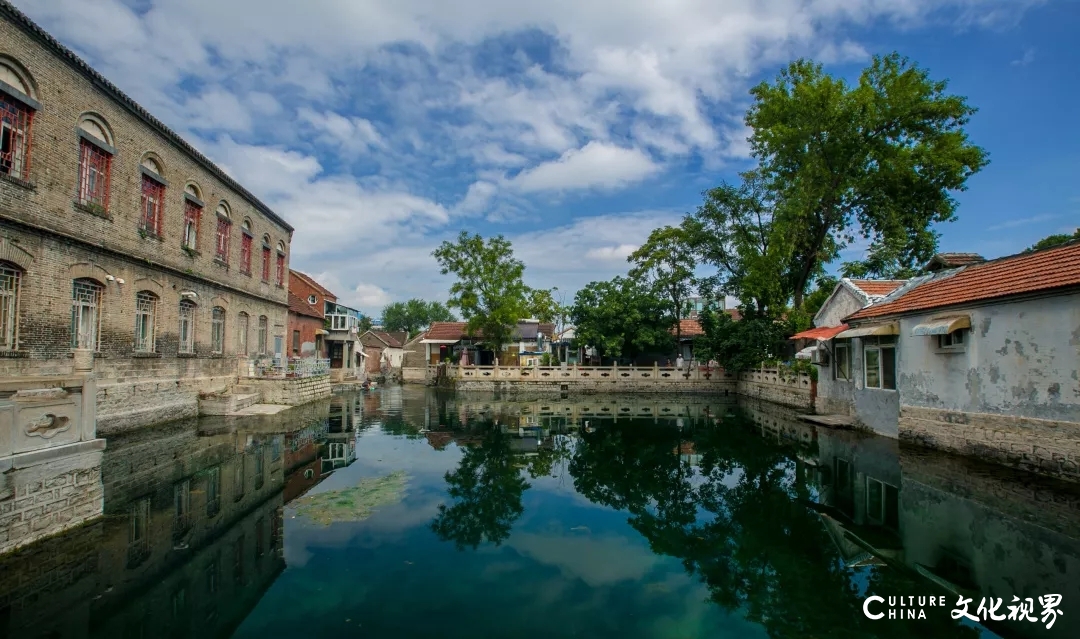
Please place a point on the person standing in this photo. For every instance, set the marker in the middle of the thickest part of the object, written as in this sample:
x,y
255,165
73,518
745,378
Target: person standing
x,y
679,362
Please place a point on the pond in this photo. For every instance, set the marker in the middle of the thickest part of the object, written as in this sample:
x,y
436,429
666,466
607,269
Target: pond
x,y
405,513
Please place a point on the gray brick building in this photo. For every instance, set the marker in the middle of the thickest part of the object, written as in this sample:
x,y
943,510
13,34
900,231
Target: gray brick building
x,y
121,242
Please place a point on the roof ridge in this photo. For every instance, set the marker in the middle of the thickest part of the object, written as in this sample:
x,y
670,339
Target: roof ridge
x,y
34,30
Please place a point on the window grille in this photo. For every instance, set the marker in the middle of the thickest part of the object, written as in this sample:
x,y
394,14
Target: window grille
x,y
153,197
85,315
242,334
94,169
145,314
192,217
222,245
10,278
262,335
15,124
187,327
217,330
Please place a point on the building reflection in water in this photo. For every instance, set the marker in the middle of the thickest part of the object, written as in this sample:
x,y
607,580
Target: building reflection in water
x,y
192,533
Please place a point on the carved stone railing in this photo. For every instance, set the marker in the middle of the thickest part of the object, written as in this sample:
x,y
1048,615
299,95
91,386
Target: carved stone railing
x,y
38,413
658,374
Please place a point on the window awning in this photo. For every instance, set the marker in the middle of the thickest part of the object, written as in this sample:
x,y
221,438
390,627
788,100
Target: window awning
x,y
320,331
822,334
867,331
942,325
439,341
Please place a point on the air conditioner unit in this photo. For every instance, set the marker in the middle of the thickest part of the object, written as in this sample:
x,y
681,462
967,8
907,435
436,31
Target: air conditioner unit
x,y
819,356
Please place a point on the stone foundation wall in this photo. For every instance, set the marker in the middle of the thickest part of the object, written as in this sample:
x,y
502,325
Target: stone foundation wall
x,y
414,374
1041,446
290,392
832,406
49,497
138,397
795,391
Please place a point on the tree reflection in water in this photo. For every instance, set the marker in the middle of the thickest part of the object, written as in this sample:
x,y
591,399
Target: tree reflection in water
x,y
487,488
742,522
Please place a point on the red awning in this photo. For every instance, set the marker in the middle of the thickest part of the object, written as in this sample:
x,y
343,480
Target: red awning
x,y
821,333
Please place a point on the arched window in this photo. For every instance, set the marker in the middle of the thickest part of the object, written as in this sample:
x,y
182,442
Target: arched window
x,y
145,321
85,313
242,334
10,280
187,327
95,163
224,224
217,331
263,331
153,197
281,263
193,207
266,258
245,247
17,108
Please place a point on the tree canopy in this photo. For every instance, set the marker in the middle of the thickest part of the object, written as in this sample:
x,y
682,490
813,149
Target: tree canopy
x,y
414,315
621,318
1051,241
880,159
489,290
665,263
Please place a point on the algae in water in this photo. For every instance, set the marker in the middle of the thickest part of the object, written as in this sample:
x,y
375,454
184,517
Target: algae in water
x,y
356,503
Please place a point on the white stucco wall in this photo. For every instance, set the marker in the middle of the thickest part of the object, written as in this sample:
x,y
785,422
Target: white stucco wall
x,y
1021,358
841,304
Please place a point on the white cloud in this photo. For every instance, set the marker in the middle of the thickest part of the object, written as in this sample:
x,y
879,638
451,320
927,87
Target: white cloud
x,y
1027,58
368,296
595,165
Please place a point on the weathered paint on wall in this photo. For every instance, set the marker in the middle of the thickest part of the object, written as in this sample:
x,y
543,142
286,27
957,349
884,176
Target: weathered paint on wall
x,y
1020,359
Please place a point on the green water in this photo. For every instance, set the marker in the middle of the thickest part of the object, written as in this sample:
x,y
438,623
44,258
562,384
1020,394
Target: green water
x,y
402,513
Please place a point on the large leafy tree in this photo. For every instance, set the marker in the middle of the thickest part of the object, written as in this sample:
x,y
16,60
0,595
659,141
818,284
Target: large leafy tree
x,y
666,263
621,318
489,290
542,305
743,344
881,159
414,315
733,231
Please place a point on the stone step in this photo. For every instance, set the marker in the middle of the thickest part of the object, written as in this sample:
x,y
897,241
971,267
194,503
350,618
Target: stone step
x,y
242,401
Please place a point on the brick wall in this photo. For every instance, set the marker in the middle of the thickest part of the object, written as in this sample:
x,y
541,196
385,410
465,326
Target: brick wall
x,y
47,498
308,328
1042,446
291,392
54,240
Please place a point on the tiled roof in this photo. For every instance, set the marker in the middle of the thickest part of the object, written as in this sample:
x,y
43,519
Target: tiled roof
x,y
689,328
31,28
446,330
1045,270
399,336
822,333
310,281
300,307
878,288
456,330
388,338
953,260
734,313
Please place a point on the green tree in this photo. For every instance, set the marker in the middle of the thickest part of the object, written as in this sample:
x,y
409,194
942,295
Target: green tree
x,y
489,290
621,318
414,315
666,263
880,159
826,284
733,231
542,305
365,324
1051,241
743,344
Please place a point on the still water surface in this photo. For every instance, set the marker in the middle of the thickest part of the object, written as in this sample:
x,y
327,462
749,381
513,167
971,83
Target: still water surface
x,y
402,513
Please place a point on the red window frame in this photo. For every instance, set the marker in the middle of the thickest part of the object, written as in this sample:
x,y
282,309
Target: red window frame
x,y
266,264
153,202
95,175
221,247
192,214
245,254
16,125
281,269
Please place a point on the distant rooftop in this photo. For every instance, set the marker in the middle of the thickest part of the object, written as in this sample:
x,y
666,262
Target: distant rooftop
x,y
943,261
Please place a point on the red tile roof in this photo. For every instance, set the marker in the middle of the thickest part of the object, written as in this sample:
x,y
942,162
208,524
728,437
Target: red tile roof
x,y
822,332
457,330
300,307
735,313
390,339
878,288
689,328
312,283
1045,270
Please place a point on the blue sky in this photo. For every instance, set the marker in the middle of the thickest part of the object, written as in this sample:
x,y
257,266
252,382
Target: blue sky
x,y
573,127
